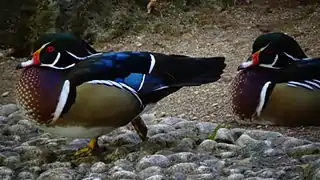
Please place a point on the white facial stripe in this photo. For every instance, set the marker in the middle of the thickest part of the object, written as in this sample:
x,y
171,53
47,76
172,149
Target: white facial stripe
x,y
153,62
262,49
83,58
27,63
62,101
262,99
272,64
44,45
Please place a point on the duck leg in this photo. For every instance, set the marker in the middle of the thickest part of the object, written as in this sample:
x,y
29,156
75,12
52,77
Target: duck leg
x,y
140,127
89,149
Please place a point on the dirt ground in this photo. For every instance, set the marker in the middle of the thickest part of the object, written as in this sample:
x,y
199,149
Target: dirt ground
x,y
229,33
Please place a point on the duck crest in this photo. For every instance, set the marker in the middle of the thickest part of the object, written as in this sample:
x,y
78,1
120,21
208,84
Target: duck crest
x,y
38,90
246,89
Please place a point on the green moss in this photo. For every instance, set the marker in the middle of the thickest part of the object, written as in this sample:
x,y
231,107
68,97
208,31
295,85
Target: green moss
x,y
215,131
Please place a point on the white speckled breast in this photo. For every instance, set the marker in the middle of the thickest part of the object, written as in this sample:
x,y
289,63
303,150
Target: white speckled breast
x,y
38,90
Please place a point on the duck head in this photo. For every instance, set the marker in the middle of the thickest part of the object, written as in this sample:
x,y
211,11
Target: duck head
x,y
58,51
274,51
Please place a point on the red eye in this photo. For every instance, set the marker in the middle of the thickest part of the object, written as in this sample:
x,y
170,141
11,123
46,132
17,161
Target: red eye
x,y
50,48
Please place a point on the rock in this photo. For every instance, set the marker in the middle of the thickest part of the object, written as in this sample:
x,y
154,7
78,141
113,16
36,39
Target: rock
x,y
12,161
57,173
123,175
163,139
156,177
224,135
185,168
6,110
99,167
226,154
204,170
316,175
294,142
190,125
3,119
124,164
28,152
263,135
201,177
205,128
245,140
207,146
159,128
127,138
150,171
182,157
56,165
186,144
25,175
227,147
304,150
171,121
235,177
5,173
153,160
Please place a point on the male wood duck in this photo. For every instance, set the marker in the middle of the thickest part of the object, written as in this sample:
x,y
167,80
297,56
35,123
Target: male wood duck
x,y
74,93
278,84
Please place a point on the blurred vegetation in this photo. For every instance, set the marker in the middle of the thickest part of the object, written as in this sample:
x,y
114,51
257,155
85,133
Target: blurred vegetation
x,y
95,20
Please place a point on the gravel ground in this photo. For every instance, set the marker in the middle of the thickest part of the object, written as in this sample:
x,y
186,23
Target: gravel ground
x,y
177,149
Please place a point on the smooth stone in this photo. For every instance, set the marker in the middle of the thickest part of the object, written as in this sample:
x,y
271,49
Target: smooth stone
x,y
127,138
25,175
98,167
56,165
207,146
57,173
185,168
28,152
201,177
224,136
156,177
124,164
123,175
235,177
150,171
245,140
263,135
153,160
182,157
159,128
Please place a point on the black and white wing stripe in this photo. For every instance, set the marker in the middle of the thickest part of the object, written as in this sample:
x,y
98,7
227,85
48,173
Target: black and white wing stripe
x,y
313,84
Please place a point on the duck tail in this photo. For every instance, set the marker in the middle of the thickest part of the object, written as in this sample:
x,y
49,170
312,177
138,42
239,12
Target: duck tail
x,y
193,71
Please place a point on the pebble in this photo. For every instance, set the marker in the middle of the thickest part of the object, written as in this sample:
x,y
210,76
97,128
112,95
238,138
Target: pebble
x,y
177,149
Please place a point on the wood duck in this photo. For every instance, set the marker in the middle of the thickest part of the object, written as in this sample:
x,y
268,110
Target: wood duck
x,y
74,93
278,84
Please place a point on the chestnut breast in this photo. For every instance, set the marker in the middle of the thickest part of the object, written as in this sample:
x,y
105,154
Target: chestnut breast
x,y
246,88
38,91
